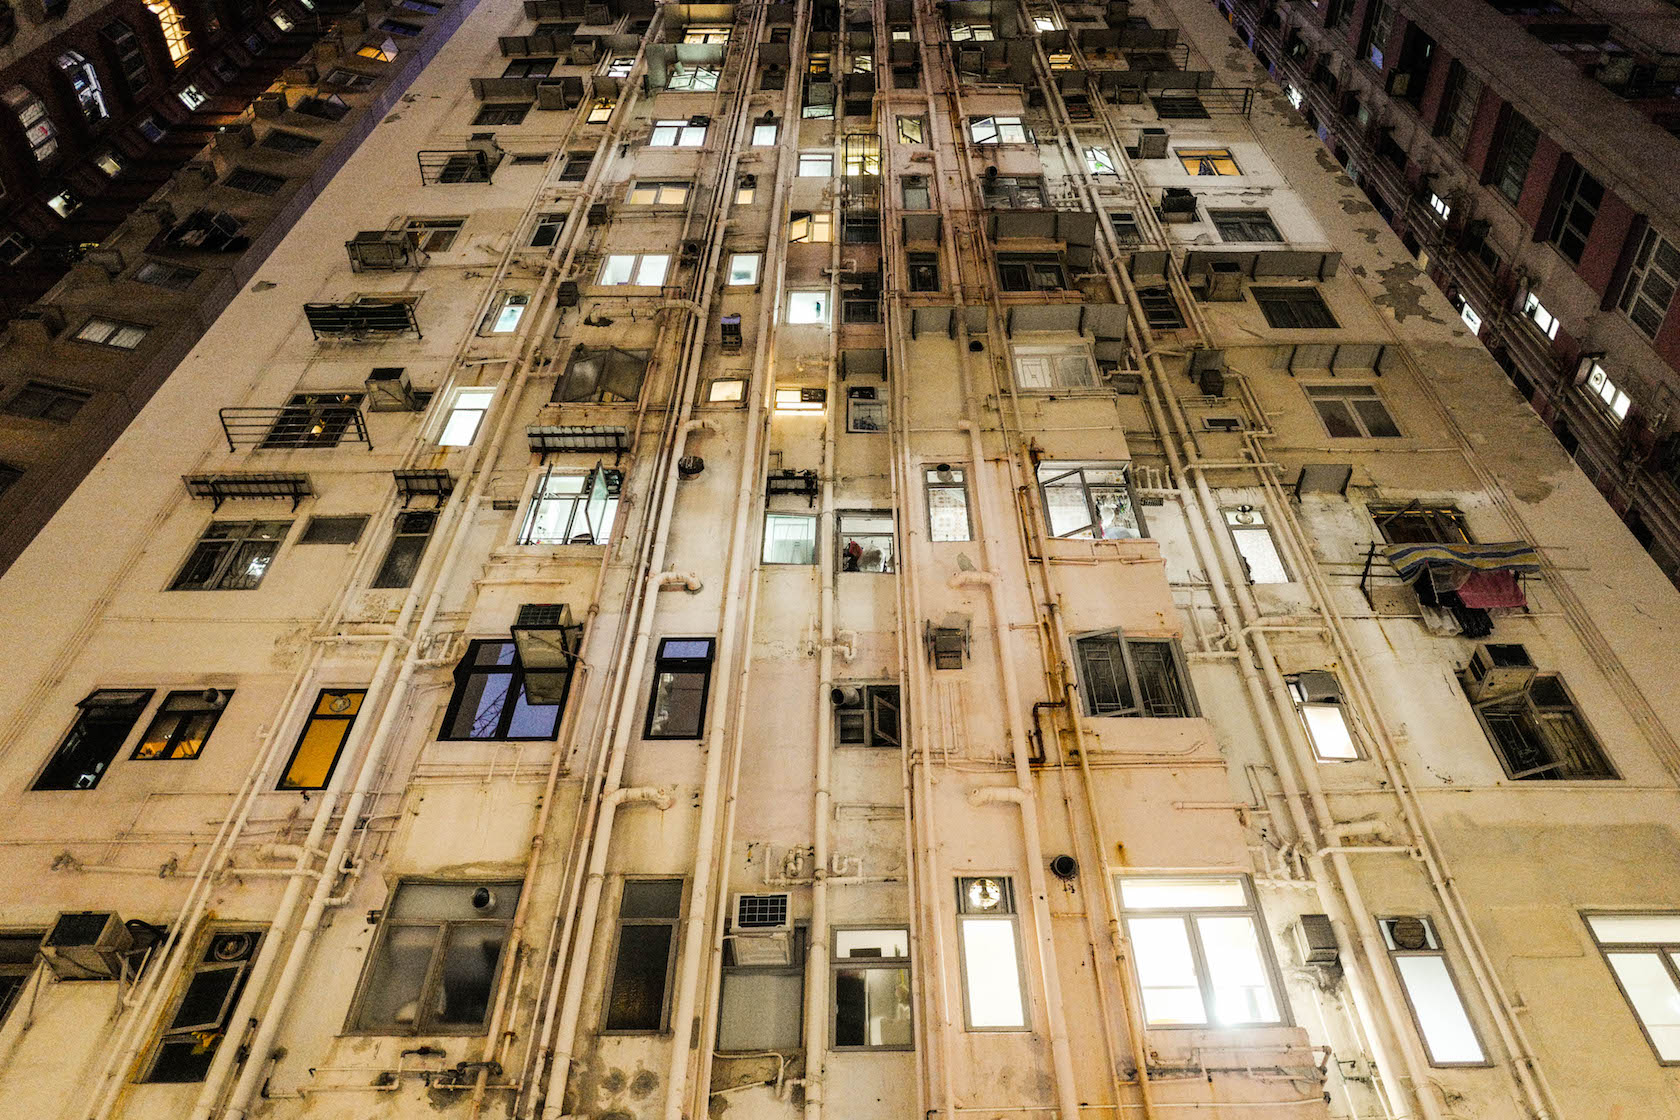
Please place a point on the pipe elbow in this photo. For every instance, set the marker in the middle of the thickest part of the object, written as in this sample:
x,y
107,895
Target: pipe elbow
x,y
992,795
641,795
698,424
688,581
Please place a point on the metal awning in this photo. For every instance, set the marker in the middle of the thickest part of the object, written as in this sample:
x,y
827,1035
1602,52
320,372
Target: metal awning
x,y
547,439
249,484
424,482
1261,264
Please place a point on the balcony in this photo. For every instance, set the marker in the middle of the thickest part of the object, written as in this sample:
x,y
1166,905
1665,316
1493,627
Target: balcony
x,y
474,164
295,427
364,319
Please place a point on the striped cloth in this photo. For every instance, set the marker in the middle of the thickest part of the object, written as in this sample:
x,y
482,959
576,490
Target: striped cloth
x,y
1412,560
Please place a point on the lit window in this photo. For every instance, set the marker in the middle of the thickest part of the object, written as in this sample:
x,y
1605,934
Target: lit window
x,y
281,21
806,227
1600,385
813,165
693,79
191,96
1255,545
872,994
862,155
1099,161
1471,317
743,268
38,128
1294,308
807,307
379,52
84,82
764,134
658,193
600,110
109,164
999,130
182,724
322,739
1448,1035
677,134
682,674
231,556
620,66
866,411
64,204
1208,161
1044,23
947,502
726,390
573,508
987,939
1198,952
790,538
792,398
1352,411
866,542
643,270
1545,320
745,192
108,332
465,416
506,312
1318,700
706,35
174,30
1088,500
1643,950
1442,208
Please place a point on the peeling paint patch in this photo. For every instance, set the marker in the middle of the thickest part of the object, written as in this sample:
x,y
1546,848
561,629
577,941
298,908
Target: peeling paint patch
x,y
1402,294
1356,205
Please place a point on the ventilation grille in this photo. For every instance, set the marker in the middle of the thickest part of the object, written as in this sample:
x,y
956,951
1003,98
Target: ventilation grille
x,y
541,614
761,911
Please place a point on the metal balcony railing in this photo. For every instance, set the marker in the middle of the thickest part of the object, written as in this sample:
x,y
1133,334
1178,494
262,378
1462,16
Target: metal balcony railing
x,y
292,428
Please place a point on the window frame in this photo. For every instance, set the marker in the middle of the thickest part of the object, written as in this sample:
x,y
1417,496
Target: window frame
x,y
54,403
222,572
1347,393
1006,912
1504,172
889,558
459,407
1123,642
1239,225
668,666
175,737
866,411
284,784
111,333
193,1034
1256,524
1303,702
512,698
639,262
1577,213
1438,951
1605,393
659,189
839,964
1664,951
1294,308
676,926
870,733
810,519
1208,162
677,133
501,114
1523,705
1064,469
613,481
132,708
1053,358
958,482
757,260
1635,299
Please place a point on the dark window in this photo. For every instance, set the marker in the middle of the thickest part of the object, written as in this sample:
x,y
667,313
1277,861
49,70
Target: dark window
x,y
182,724
1133,676
334,530
127,54
1352,411
1420,524
489,701
9,476
1651,283
253,182
107,716
501,114
198,1026
231,556
529,68
1294,308
647,939
1179,106
400,27
17,964
1160,310
329,108
603,376
917,196
576,166
294,143
860,311
39,400
924,272
1013,192
1244,225
408,545
861,229
1582,196
866,715
1020,272
1373,37
322,739
547,230
682,675
1509,169
161,274
1539,735
1459,103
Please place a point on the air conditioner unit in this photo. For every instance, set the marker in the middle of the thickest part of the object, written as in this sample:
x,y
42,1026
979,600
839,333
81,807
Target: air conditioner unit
x,y
1315,940
1224,281
86,946
1152,143
1207,370
762,929
1498,669
389,390
1178,204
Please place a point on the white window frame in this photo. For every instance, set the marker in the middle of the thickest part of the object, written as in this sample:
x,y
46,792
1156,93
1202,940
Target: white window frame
x,y
638,270
112,333
600,110
1607,393
999,130
1642,938
1139,908
1051,368
619,66
506,312
466,416
743,269
1332,740
820,313
951,480
812,227
816,165
976,976
1440,1016
765,134
677,134
1535,312
658,192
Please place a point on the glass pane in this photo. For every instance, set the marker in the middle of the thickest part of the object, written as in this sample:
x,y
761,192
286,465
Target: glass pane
x,y
479,702
651,898
760,1011
636,1001
948,513
1181,894
1654,997
859,943
1636,929
469,973
1327,728
872,1007
1337,420
678,698
205,999
312,765
454,901
1166,971
991,973
1260,554
790,539
1066,509
391,996
1242,991
1441,1017
532,721
1377,420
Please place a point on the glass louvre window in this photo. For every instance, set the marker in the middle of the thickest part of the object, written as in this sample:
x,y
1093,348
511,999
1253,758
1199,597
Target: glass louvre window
x,y
322,739
1651,283
435,960
714,35
1448,1035
1294,308
84,82
682,675
506,312
1582,196
866,542
572,508
39,400
489,699
1088,500
972,33
1643,952
988,941
107,716
408,545
1208,161
743,268
1259,551
197,1026
912,130
866,715
659,193
790,538
643,270
108,332
677,134
174,29
465,416
1124,676
1516,152
947,501
648,914
1539,734
1318,701
1244,225
231,556
1053,368
1198,951
872,994
999,130
1352,411
182,724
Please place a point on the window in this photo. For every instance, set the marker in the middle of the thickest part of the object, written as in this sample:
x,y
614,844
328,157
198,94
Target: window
x,y
659,193
378,52
574,166
1318,701
987,940
1458,106
678,134
861,310
923,269
435,235
1180,107
745,191
1539,734
231,556
1259,551
1509,167
1207,161
1160,310
790,538
872,994
917,195
761,998
862,155
182,724
109,332
1294,308
64,204
1420,524
127,54
947,502
408,544
1083,501
813,165
39,400
1373,39
1124,676
600,110
1053,367
866,410
1013,192
1545,320
489,700
1448,1035
573,508
107,716
866,541
972,33
465,415
682,675
693,79
1031,272
1442,209
743,268
1352,411
866,715
435,960
335,108
793,398
999,130
161,274
529,68
726,390
912,130
312,420
334,530
862,229
645,270
198,1023
32,117
1613,398
648,914
605,376
505,312
17,964
253,182
706,35
1643,951
547,230
1472,318
1582,196
1652,281
174,29
807,307
84,82
500,115
1244,225
764,134
192,96
1198,951
620,65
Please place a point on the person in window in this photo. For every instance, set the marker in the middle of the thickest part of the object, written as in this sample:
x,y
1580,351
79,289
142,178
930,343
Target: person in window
x,y
854,552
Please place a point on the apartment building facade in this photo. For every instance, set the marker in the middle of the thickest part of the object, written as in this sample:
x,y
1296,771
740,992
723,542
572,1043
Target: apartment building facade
x,y
877,560
1521,150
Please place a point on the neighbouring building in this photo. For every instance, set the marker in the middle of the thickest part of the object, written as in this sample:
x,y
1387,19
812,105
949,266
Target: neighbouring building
x,y
815,560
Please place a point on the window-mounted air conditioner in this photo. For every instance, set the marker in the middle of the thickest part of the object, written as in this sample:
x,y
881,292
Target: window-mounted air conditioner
x,y
1152,143
389,390
762,929
1225,281
87,946
1315,940
1498,669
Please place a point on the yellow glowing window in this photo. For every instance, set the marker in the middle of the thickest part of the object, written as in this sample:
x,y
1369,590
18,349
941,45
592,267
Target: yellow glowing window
x,y
601,110
1208,161
811,228
174,29
794,399
318,748
182,724
379,52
